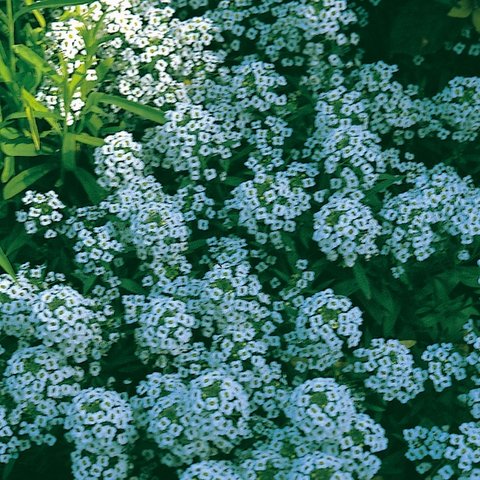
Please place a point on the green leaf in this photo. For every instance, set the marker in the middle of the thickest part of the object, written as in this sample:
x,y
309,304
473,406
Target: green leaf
x,y
44,115
87,281
281,274
17,239
24,179
41,111
32,123
384,298
3,18
69,151
196,244
31,57
462,10
38,16
346,287
6,265
50,4
89,140
476,19
5,73
430,320
94,124
233,181
375,408
7,471
20,149
362,280
9,133
469,276
94,191
385,181
144,111
8,169
103,68
132,286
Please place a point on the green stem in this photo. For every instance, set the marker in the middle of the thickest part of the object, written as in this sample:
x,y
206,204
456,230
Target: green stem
x,y
11,34
13,87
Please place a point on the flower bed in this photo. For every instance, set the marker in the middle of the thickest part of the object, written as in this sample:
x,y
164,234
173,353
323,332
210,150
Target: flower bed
x,y
241,240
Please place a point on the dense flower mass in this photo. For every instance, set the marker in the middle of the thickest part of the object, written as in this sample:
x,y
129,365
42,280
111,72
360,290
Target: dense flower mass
x,y
254,254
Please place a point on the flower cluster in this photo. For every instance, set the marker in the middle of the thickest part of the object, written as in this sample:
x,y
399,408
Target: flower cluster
x,y
192,422
211,469
444,364
10,444
326,415
440,203
96,244
165,329
201,134
45,210
17,298
455,455
79,327
99,423
118,162
322,409
345,227
325,323
273,201
40,383
390,368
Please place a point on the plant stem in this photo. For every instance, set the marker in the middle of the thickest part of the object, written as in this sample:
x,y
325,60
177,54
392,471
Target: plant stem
x,y
11,34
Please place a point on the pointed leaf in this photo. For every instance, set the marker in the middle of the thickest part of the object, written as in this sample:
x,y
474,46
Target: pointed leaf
x,y
40,64
94,191
89,140
39,17
41,111
8,169
6,265
5,73
24,179
347,287
385,181
9,133
476,19
132,286
462,10
19,149
103,68
469,276
87,281
69,151
362,280
44,115
94,124
144,111
3,17
7,471
31,57
33,127
17,239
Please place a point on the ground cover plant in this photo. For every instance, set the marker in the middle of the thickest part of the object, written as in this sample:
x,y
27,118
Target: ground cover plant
x,y
240,239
